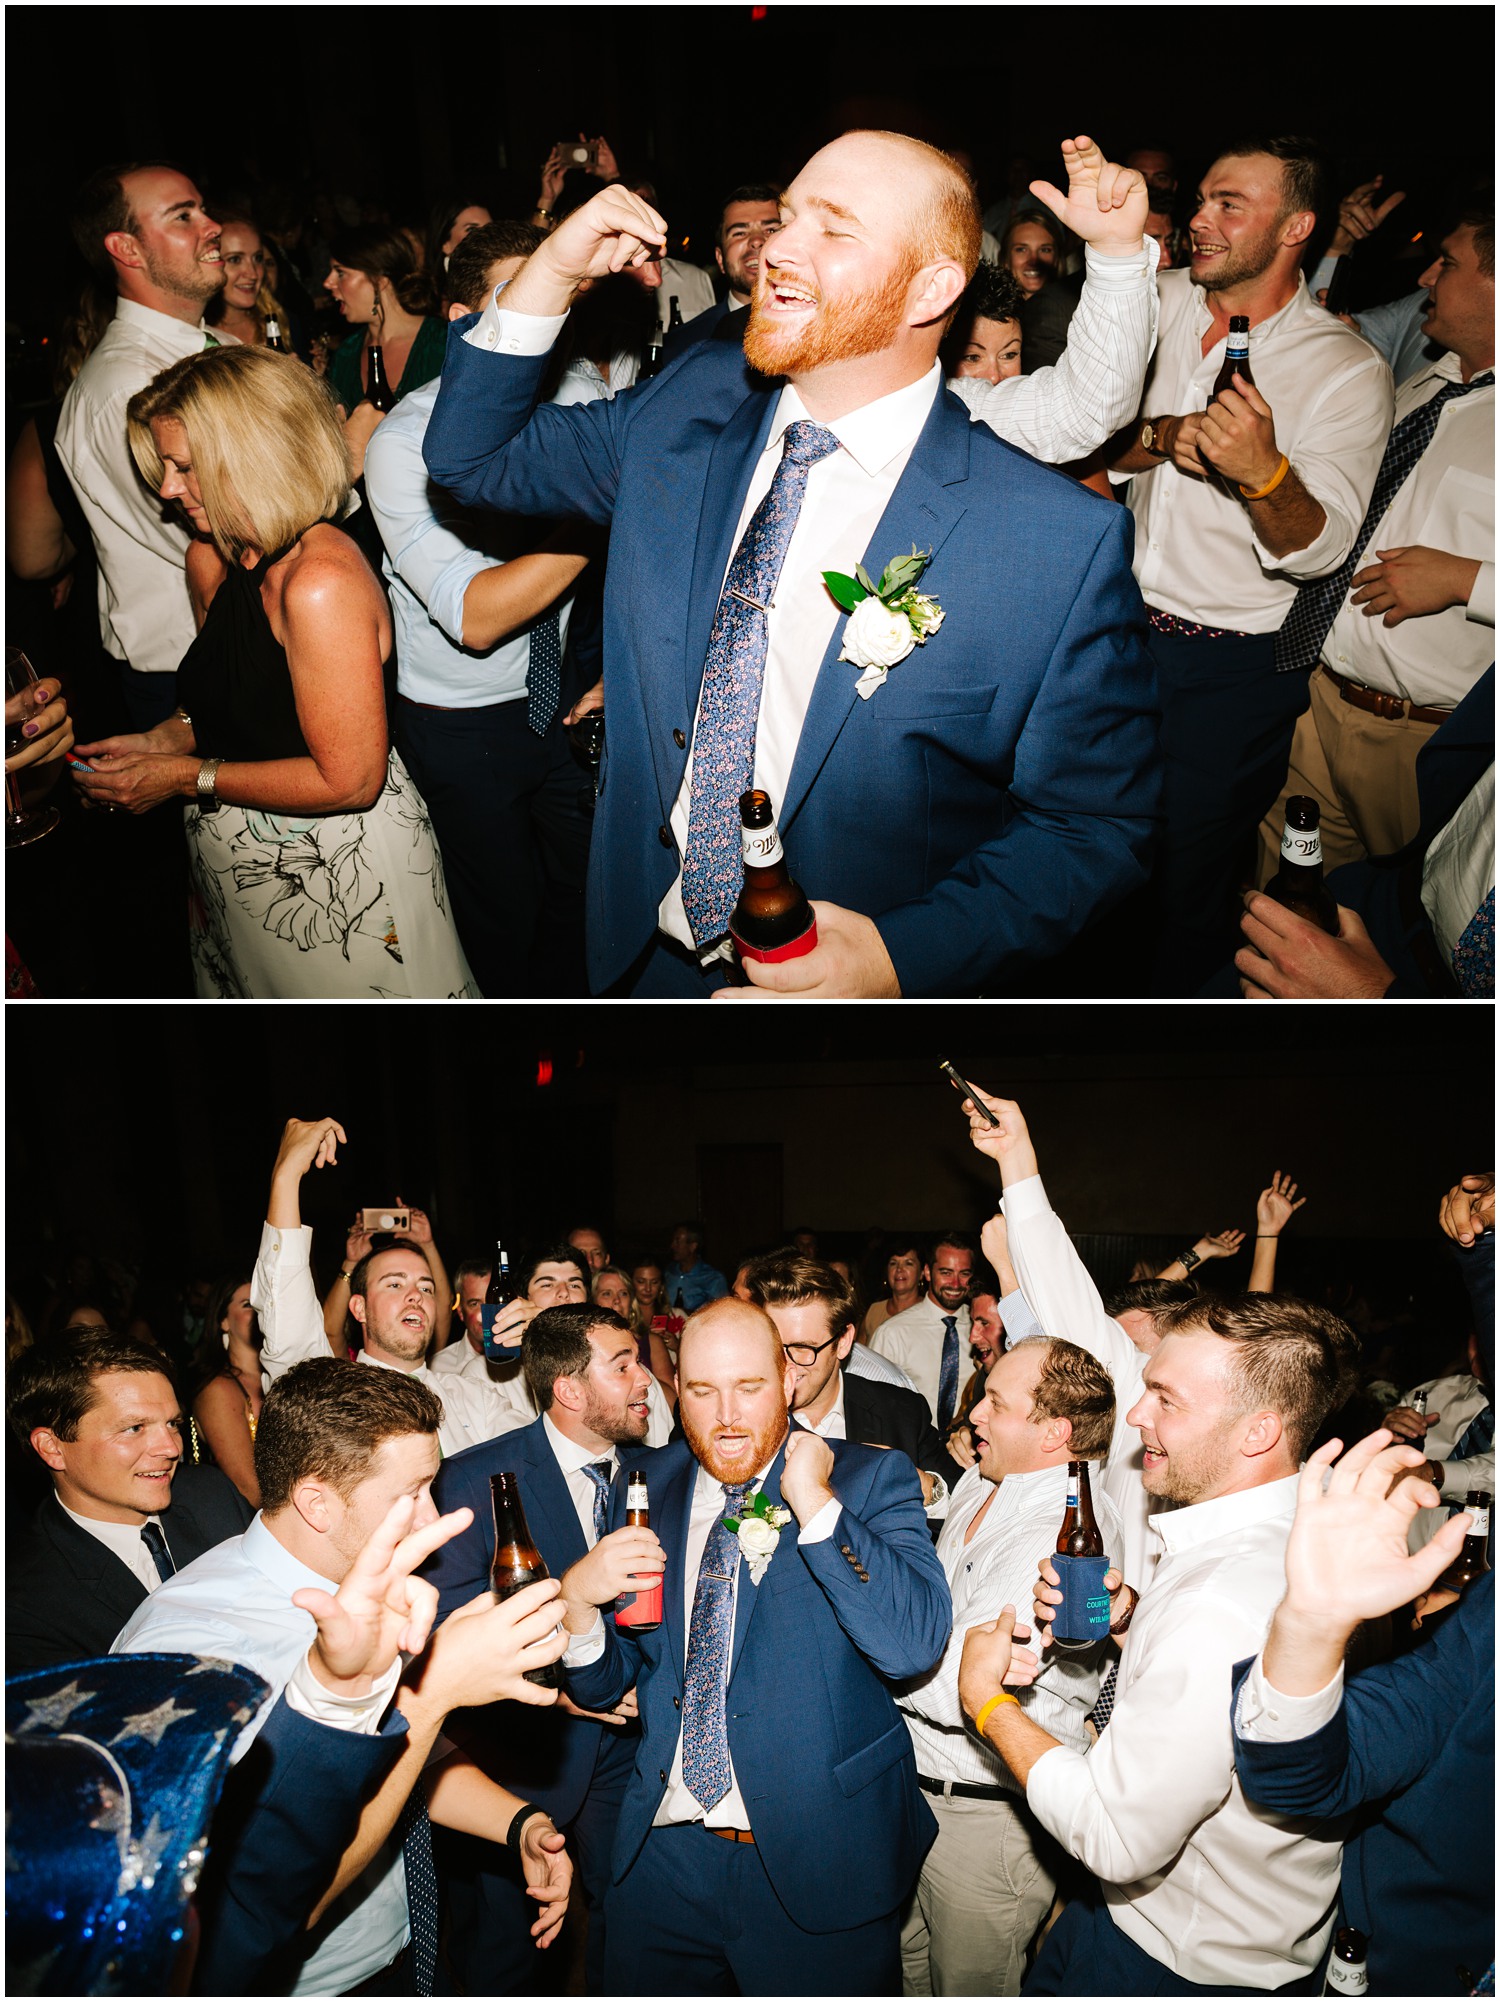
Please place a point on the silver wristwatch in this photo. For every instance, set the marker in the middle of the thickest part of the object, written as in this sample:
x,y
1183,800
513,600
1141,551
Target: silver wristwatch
x,y
208,772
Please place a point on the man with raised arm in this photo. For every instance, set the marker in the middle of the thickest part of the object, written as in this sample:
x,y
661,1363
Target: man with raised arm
x,y
1016,744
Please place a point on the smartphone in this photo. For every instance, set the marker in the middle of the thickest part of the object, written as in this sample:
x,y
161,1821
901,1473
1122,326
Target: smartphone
x,y
391,1219
965,1090
77,764
579,153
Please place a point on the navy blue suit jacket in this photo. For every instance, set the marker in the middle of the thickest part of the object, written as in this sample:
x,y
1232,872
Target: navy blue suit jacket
x,y
543,1755
1412,1754
994,795
821,1754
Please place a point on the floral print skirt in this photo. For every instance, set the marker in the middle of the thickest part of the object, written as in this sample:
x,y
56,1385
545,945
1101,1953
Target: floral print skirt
x,y
326,906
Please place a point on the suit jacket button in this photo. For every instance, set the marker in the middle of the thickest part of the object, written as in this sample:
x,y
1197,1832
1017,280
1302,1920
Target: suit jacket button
x,y
679,740
664,836
663,1779
676,1702
846,1550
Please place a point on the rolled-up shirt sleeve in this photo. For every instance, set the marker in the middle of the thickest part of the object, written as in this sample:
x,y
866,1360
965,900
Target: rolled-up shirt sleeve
x,y
433,561
286,1301
1481,606
1336,456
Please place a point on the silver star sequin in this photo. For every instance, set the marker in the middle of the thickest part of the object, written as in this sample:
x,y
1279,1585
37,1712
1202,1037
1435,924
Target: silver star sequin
x,y
50,1713
142,1858
152,1725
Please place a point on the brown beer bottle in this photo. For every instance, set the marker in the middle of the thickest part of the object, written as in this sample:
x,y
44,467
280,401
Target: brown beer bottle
x,y
640,1610
772,919
1298,883
1347,1973
1079,1535
379,391
1236,356
1473,1559
517,1561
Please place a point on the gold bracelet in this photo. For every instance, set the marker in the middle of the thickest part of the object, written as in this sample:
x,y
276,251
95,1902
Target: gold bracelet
x,y
345,1276
1271,484
983,1718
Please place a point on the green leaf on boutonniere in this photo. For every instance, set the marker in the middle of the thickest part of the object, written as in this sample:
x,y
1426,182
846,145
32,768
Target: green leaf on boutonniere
x,y
844,591
864,577
902,572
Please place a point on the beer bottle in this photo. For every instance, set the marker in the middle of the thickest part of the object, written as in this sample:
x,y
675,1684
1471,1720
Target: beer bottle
x,y
674,315
772,919
499,1293
379,391
1298,883
651,360
640,1610
1347,1974
1236,356
517,1561
273,335
1080,1563
1419,1405
1473,1559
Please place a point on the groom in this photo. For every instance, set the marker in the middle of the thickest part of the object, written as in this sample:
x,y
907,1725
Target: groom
x,y
962,816
772,1827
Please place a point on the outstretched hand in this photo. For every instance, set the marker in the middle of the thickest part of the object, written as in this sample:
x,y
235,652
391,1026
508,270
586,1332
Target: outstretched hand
x,y
1468,1209
1105,204
380,1609
1275,1206
1009,1143
309,1143
991,1661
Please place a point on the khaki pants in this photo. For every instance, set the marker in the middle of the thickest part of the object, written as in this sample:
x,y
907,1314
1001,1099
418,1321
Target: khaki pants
x,y
982,1894
1362,771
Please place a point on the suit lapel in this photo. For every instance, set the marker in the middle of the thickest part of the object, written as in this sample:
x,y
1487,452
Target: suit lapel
x,y
97,1572
921,514
730,466
551,1515
670,1521
747,1594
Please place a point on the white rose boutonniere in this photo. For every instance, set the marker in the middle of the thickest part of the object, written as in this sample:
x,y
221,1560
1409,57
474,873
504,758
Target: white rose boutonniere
x,y
886,620
758,1531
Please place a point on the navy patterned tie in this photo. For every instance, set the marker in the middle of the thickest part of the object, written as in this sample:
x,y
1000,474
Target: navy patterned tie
x,y
597,1471
705,1736
1318,604
544,673
948,1373
729,706
1104,1706
421,1889
156,1544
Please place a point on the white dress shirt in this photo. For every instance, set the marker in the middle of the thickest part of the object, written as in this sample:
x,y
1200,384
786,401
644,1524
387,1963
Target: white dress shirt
x,y
863,1361
1446,501
235,1602
689,284
1458,870
1196,551
125,1541
913,1341
571,1459
709,1505
1265,1712
144,613
291,1322
998,1568
1066,1302
434,549
1220,1892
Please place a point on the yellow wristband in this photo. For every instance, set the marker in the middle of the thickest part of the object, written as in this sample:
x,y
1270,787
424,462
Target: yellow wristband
x,y
983,1718
1271,484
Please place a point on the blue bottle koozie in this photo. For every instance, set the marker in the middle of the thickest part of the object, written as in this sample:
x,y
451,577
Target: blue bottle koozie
x,y
496,1351
1083,1616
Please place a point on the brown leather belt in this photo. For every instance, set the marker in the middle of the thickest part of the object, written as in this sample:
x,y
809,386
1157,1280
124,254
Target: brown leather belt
x,y
1391,707
733,1834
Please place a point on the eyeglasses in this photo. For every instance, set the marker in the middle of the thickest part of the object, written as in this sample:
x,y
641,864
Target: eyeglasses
x,y
805,1357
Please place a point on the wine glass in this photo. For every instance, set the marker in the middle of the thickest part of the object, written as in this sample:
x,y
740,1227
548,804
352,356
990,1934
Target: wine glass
x,y
21,827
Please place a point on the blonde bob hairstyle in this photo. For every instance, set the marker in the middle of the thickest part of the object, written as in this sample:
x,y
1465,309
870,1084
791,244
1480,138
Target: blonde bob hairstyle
x,y
264,443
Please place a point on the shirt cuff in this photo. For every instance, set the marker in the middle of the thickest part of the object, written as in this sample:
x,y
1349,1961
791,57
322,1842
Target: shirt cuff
x,y
586,1647
937,1508
1056,1787
1481,606
291,1250
362,1714
1017,1317
1025,1199
1263,1713
1319,559
1322,276
1121,274
514,333
822,1525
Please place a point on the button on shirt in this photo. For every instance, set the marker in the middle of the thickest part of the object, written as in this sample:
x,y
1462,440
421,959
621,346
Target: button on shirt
x,y
1447,501
434,549
1196,552
1221,1893
236,1602
708,1506
913,1341
291,1321
998,1568
144,613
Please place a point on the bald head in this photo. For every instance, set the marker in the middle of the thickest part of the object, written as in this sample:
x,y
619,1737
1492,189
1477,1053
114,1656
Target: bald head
x,y
931,199
730,1324
734,1387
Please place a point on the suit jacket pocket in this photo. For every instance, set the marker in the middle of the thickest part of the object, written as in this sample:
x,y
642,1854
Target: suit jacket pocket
x,y
856,1772
917,702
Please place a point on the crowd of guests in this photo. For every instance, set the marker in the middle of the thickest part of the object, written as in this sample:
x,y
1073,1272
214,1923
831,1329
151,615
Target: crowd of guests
x,y
844,1754
383,708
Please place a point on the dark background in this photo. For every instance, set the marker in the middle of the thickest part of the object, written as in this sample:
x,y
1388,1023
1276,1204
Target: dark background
x,y
394,106
1153,1126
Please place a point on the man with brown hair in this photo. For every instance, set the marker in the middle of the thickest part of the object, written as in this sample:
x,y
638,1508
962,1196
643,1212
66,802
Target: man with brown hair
x,y
1191,1878
988,1881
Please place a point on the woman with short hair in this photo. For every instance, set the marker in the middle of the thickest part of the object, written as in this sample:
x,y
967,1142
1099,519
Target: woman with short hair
x,y
314,868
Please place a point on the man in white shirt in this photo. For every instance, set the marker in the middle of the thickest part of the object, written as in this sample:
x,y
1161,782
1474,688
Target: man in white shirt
x,y
851,318
1238,506
929,1342
1191,1878
1416,627
391,1295
336,1450
145,234
986,1883
464,1354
